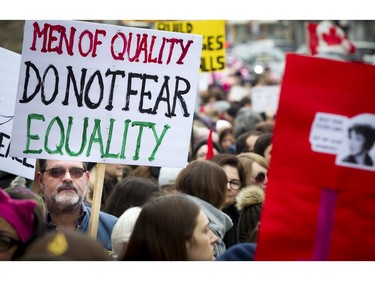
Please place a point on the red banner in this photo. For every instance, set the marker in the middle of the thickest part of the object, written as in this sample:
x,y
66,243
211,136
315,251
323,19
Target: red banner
x,y
320,199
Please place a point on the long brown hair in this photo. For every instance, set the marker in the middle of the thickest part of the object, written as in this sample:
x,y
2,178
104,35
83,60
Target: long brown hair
x,y
204,179
162,229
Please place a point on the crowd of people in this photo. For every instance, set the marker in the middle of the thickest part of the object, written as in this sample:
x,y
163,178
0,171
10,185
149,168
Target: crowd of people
x,y
192,213
209,210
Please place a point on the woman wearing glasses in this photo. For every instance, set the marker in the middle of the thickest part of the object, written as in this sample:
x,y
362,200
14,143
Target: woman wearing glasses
x,y
256,168
20,224
235,181
205,183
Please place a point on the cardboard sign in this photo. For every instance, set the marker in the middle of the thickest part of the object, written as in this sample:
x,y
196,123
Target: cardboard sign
x,y
265,98
213,31
9,72
318,205
103,93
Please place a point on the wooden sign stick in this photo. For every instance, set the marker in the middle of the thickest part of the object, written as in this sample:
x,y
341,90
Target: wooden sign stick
x,y
96,200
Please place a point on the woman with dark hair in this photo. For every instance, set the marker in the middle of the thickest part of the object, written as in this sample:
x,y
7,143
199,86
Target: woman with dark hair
x,y
227,141
171,228
21,222
361,140
205,183
236,179
130,192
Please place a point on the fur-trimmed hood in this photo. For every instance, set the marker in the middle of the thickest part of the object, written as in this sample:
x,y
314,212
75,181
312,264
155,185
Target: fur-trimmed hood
x,y
249,195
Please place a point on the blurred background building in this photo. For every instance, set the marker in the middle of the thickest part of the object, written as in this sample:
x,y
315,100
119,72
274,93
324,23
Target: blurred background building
x,y
253,47
289,34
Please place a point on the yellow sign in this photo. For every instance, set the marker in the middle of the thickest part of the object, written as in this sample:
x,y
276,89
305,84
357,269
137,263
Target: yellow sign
x,y
213,31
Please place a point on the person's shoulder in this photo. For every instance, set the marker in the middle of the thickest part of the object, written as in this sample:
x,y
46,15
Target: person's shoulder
x,y
239,252
108,216
103,215
218,219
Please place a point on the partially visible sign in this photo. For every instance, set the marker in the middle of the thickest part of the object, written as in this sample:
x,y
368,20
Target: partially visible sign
x,y
213,31
265,98
320,195
9,72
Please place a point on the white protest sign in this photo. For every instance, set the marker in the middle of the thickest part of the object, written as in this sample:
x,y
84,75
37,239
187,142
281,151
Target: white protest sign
x,y
104,93
357,149
327,132
9,72
265,98
330,134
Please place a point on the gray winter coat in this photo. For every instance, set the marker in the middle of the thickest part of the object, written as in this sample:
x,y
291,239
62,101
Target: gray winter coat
x,y
219,224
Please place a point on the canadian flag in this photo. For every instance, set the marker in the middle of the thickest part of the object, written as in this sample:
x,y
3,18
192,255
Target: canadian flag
x,y
325,37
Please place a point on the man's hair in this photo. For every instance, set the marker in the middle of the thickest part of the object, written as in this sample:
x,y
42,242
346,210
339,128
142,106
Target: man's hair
x,y
43,164
261,144
241,144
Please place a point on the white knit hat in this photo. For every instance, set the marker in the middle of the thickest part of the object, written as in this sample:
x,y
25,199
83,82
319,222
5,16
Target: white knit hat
x,y
168,175
123,229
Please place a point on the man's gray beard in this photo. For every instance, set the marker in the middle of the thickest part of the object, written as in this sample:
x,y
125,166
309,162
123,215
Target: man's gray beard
x,y
63,204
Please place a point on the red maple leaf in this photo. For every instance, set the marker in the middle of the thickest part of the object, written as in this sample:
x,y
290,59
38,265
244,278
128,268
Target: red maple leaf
x,y
332,38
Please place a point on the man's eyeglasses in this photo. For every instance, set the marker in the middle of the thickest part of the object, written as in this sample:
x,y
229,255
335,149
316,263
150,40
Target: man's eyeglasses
x,y
7,242
260,177
59,172
234,184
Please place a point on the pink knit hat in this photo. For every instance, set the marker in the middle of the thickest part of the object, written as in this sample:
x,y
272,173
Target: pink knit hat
x,y
19,213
